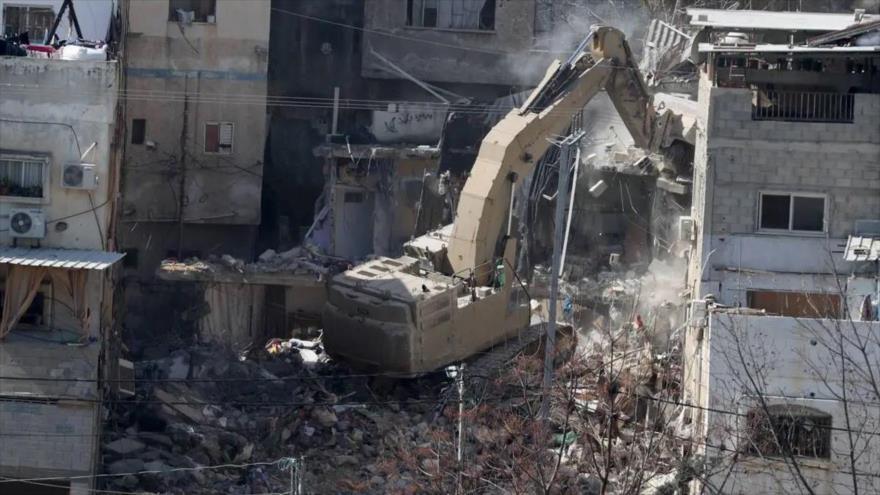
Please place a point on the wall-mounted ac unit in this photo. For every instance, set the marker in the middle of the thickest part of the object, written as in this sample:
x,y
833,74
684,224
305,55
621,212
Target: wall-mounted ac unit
x,y
27,223
686,228
79,176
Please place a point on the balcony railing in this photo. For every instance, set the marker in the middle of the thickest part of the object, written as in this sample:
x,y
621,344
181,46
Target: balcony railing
x,y
802,106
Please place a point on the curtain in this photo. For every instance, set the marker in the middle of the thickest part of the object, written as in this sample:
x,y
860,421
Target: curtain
x,y
73,282
22,284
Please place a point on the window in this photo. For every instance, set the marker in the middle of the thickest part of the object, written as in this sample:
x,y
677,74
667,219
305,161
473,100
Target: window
x,y
35,21
201,10
35,314
795,304
353,197
793,212
803,431
138,131
131,258
23,176
451,14
219,137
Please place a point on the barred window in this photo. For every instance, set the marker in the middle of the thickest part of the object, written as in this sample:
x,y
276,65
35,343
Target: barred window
x,y
803,431
22,176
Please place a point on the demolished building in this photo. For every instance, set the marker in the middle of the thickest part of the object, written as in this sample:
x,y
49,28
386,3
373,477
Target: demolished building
x,y
195,85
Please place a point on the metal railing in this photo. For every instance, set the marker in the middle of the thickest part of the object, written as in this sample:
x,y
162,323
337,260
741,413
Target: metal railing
x,y
802,106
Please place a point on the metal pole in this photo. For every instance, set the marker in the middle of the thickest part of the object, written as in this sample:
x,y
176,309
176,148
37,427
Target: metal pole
x,y
335,110
568,145
460,441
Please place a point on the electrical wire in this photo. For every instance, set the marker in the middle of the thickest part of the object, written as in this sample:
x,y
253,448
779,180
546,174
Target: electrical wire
x,y
153,471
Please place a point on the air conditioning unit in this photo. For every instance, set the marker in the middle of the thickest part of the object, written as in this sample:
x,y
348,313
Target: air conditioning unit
x,y
79,176
27,223
686,228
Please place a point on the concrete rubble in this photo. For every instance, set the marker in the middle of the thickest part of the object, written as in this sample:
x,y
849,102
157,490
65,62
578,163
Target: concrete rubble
x,y
295,261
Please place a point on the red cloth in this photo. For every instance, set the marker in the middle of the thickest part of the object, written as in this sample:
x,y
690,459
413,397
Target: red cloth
x,y
41,48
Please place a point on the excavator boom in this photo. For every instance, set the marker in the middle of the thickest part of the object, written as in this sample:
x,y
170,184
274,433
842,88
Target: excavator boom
x,y
449,298
515,145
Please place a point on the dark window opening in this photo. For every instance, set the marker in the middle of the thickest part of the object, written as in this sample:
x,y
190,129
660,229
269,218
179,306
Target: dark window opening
x,y
34,313
808,214
138,131
194,10
795,304
35,21
774,211
354,197
131,258
792,212
801,431
451,14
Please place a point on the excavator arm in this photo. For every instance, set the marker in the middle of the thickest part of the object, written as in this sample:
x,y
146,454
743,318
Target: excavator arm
x,y
514,146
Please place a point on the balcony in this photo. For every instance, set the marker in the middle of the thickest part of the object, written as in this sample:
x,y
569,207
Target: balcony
x,y
803,106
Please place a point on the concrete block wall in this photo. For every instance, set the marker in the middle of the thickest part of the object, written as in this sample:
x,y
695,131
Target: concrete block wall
x,y
748,156
66,447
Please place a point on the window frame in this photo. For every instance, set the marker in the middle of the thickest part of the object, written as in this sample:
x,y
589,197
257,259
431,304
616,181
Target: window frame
x,y
410,17
172,17
749,446
47,172
28,8
219,151
142,135
791,195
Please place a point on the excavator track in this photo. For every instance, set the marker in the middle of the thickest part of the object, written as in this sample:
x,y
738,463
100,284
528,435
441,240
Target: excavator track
x,y
487,365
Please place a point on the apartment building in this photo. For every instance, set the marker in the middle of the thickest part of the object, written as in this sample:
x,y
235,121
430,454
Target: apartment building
x,y
786,209
196,126
59,170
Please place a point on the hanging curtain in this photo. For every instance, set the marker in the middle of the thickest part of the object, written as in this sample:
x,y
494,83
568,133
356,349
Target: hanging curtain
x,y
22,284
73,282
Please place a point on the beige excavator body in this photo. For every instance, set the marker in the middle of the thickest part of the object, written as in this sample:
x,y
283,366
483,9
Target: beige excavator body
x,y
455,293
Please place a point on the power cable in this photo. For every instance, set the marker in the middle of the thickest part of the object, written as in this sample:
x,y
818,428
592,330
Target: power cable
x,y
153,471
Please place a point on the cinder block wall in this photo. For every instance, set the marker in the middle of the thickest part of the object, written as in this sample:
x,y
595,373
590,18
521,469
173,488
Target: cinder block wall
x,y
748,156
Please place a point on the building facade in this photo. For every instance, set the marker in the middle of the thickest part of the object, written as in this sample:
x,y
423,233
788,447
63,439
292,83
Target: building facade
x,y
59,175
196,127
786,177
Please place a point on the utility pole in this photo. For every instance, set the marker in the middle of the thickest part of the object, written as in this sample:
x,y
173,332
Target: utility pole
x,y
181,188
457,373
568,147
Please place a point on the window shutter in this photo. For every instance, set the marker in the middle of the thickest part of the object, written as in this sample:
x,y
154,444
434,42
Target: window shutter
x,y
226,135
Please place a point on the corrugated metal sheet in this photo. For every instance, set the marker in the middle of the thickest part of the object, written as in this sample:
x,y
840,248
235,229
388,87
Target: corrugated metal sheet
x,y
779,21
768,48
862,249
59,258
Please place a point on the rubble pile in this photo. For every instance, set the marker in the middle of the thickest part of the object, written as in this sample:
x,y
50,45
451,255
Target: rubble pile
x,y
297,260
203,407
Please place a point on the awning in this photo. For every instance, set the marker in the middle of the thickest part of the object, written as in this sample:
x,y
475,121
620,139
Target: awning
x,y
862,249
81,259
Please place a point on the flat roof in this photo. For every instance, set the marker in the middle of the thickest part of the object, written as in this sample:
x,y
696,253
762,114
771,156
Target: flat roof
x,y
81,259
776,21
770,48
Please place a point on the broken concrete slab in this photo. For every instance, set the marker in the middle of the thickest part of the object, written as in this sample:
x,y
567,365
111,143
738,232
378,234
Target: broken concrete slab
x,y
125,446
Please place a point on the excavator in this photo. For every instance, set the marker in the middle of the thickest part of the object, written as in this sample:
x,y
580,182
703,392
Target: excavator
x,y
454,292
